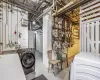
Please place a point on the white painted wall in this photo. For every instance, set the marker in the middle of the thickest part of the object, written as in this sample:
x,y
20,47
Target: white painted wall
x,y
9,25
47,38
31,39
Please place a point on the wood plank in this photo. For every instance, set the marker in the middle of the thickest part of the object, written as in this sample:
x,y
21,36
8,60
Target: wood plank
x,y
85,37
87,5
92,11
92,37
92,20
90,8
70,60
88,41
91,16
97,37
82,37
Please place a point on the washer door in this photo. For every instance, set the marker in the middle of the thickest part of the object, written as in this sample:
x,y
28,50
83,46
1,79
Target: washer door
x,y
28,60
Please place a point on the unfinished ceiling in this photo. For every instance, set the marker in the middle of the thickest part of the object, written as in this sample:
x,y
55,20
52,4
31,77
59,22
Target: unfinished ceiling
x,y
36,7
32,6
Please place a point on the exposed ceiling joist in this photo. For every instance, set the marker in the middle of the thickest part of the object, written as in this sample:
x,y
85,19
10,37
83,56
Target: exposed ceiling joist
x,y
28,5
39,5
72,6
19,5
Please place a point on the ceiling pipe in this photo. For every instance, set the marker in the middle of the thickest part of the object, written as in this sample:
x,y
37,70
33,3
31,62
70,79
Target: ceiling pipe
x,y
48,2
72,5
39,5
37,29
57,12
53,4
19,5
46,11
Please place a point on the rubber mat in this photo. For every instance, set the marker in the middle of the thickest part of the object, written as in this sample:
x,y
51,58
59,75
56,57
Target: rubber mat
x,y
41,77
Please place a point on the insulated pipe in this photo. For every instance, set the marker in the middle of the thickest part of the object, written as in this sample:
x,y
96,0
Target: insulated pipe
x,y
62,8
72,5
50,9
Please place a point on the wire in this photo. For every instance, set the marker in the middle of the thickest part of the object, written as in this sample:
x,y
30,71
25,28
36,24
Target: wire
x,y
2,24
6,26
11,25
17,27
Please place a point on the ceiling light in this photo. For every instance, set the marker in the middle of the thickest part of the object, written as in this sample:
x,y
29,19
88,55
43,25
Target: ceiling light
x,y
34,22
35,0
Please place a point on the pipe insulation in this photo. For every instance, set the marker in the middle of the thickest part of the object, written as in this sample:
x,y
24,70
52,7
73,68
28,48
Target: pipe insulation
x,y
63,8
72,5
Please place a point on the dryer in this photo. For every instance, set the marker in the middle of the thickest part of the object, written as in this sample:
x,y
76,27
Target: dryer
x,y
85,66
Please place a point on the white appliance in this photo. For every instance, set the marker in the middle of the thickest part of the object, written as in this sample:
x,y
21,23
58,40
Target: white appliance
x,y
11,68
31,39
85,66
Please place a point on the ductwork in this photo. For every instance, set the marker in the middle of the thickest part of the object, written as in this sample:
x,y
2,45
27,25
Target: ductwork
x,y
19,5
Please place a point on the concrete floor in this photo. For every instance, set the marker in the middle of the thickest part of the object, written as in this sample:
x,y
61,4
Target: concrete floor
x,y
41,69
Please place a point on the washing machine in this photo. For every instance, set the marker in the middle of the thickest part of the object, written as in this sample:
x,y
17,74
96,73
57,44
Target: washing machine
x,y
27,58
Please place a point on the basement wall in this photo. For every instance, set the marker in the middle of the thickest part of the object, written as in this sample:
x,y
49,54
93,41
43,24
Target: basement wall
x,y
12,22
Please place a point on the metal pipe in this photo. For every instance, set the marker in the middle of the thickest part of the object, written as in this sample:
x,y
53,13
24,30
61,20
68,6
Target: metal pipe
x,y
62,8
42,3
72,5
53,4
37,29
44,13
39,5
50,8
22,7
48,2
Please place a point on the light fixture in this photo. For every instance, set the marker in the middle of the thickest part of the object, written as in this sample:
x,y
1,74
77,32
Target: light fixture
x,y
35,0
34,22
